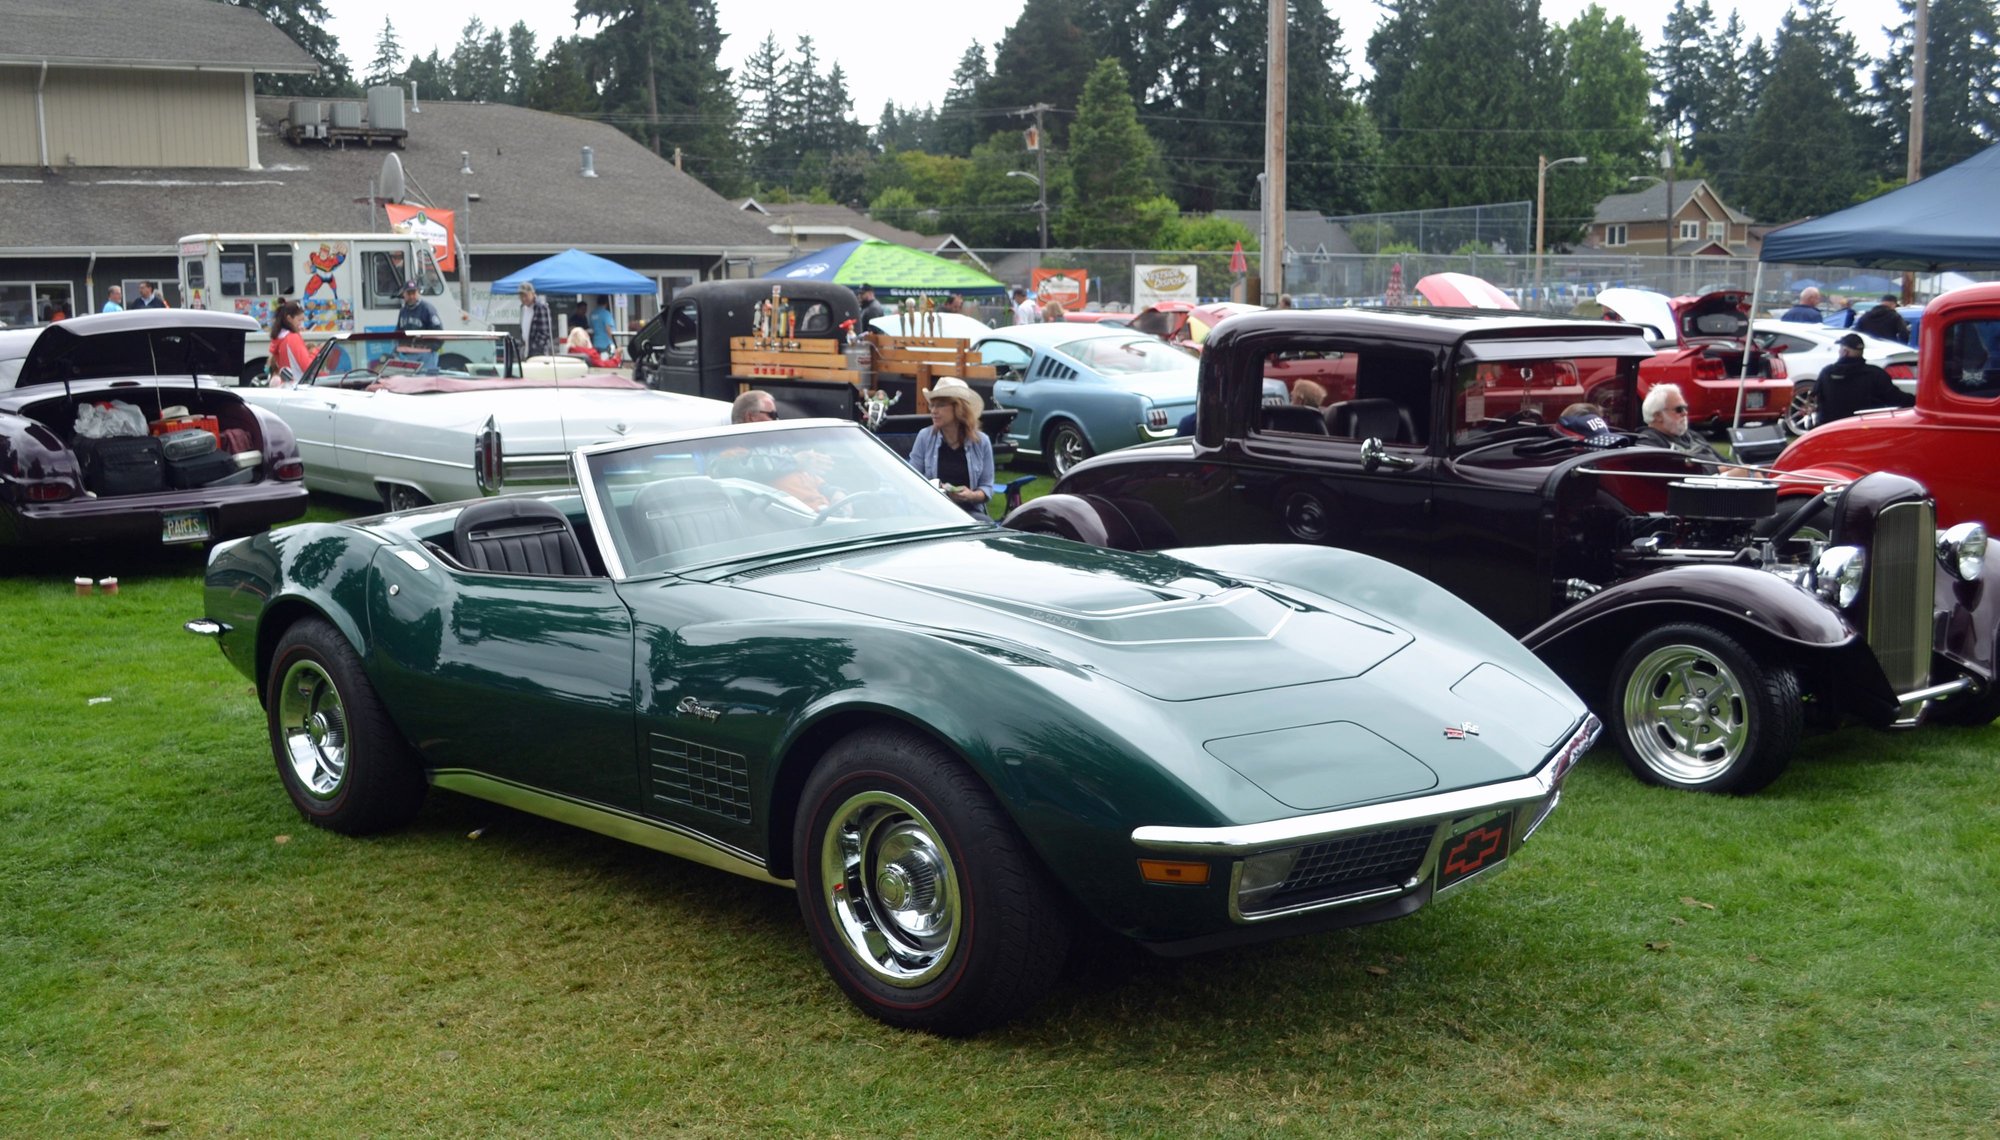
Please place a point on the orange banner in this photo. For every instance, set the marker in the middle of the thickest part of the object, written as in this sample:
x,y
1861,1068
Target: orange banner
x,y
433,225
1070,287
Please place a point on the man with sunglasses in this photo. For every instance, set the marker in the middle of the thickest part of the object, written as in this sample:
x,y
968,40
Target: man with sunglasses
x,y
1666,412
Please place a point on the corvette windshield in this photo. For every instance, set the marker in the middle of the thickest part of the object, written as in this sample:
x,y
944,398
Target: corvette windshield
x,y
756,493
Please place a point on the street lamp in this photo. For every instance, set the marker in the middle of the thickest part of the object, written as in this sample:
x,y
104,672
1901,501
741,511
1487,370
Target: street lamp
x,y
1041,201
1541,211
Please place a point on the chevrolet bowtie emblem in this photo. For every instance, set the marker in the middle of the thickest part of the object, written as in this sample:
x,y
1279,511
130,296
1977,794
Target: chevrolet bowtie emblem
x,y
1461,731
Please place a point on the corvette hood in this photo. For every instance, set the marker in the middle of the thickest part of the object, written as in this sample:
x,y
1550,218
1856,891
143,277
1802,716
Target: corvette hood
x,y
1151,623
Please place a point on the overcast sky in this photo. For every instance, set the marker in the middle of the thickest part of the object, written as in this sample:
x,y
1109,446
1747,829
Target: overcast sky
x,y
907,53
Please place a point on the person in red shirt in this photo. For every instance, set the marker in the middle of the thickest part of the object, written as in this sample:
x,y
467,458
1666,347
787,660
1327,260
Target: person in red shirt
x,y
289,354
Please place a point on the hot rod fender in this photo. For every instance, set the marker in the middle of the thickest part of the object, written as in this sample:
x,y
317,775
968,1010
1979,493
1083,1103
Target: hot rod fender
x,y
1082,518
31,451
1581,640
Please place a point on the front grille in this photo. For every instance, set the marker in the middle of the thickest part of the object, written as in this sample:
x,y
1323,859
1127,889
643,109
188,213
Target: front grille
x,y
1902,579
1355,864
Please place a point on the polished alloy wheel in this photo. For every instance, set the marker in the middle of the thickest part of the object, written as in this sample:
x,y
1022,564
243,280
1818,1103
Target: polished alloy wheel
x,y
313,729
891,888
1685,714
1803,413
1067,448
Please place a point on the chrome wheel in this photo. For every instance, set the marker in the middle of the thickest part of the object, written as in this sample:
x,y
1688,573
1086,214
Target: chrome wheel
x,y
891,888
1067,448
1803,413
1685,714
312,726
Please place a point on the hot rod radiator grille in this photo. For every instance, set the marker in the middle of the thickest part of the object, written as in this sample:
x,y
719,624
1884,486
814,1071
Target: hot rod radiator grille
x,y
1900,594
701,777
1356,864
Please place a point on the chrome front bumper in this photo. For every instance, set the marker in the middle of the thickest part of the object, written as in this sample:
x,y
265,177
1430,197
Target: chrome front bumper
x,y
1410,833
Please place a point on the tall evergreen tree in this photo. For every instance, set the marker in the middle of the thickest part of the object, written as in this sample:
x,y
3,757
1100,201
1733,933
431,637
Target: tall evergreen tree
x,y
655,62
1112,168
958,114
1473,107
1961,83
764,118
305,22
428,76
388,63
1811,147
1334,152
522,62
1044,58
561,81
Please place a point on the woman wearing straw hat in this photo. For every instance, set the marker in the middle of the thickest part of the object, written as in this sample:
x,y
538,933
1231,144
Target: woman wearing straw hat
x,y
952,450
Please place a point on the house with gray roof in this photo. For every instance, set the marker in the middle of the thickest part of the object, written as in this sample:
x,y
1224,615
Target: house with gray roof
x,y
1701,223
85,204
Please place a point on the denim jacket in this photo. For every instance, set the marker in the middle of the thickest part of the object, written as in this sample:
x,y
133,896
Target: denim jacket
x,y
978,457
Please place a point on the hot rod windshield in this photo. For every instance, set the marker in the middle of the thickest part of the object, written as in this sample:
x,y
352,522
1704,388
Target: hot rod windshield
x,y
754,493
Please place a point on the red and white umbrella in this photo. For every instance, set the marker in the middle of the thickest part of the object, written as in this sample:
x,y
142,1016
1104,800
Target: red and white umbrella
x,y
1463,291
1393,295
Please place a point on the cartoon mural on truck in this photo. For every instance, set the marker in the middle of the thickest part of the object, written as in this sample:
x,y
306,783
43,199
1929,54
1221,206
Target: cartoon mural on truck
x,y
327,313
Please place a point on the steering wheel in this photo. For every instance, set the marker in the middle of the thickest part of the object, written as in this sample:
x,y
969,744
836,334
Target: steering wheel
x,y
828,511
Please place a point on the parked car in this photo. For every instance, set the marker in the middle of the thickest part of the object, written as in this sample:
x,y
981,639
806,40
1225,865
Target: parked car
x,y
427,417
1699,346
58,485
1950,441
1099,317
946,737
1808,349
1083,389
1690,609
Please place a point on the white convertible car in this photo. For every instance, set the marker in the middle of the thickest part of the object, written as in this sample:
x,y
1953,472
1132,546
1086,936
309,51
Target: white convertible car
x,y
421,417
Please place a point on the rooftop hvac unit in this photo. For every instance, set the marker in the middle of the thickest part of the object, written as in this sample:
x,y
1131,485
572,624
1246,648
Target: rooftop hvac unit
x,y
344,114
307,115
385,109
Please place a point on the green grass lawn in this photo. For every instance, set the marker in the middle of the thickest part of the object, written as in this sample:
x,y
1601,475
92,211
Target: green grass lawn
x,y
181,955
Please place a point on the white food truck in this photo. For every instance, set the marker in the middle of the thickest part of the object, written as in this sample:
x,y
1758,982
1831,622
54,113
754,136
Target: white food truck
x,y
346,282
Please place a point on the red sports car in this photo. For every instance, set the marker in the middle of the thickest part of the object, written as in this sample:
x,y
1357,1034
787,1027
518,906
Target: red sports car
x,y
1950,441
1700,343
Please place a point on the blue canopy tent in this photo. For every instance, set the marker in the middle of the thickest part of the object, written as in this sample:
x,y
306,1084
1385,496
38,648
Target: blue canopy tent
x,y
1944,220
577,272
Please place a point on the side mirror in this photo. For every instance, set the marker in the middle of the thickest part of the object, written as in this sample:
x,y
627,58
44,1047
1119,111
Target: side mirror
x,y
1374,454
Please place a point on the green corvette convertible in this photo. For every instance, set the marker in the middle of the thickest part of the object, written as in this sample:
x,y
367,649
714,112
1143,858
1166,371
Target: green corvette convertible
x,y
779,651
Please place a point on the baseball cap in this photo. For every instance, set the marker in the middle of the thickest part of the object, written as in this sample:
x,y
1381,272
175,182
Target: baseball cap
x,y
1851,340
1593,429
410,287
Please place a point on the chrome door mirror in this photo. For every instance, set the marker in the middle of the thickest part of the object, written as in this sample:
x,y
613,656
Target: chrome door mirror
x,y
1374,454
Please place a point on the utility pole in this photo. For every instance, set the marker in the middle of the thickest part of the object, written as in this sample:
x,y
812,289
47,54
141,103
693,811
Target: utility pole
x,y
1041,149
1271,266
1915,169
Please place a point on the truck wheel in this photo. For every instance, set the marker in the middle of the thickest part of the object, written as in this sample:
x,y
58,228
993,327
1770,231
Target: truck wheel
x,y
340,757
1065,448
1691,708
924,901
1803,414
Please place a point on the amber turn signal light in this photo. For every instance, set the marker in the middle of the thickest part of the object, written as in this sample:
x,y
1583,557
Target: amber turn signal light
x,y
1162,871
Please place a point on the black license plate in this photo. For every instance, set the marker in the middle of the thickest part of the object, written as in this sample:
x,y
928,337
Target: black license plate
x,y
1472,850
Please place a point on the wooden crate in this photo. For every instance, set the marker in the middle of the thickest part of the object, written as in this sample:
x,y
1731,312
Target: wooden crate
x,y
753,357
926,358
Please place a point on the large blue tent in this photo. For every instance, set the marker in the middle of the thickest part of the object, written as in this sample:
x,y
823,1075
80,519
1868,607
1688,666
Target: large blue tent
x,y
574,271
1944,220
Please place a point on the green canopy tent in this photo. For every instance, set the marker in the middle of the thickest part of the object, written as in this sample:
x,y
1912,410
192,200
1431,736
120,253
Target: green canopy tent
x,y
894,269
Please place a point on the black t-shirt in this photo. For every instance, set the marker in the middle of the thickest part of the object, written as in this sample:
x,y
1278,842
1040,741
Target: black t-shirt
x,y
951,466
